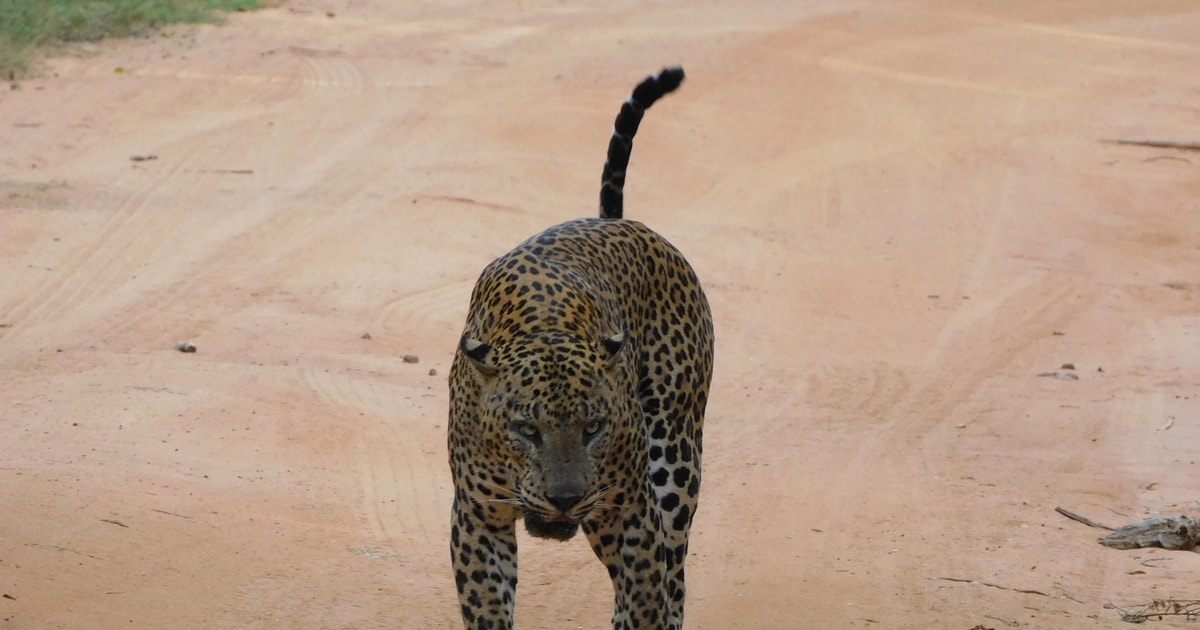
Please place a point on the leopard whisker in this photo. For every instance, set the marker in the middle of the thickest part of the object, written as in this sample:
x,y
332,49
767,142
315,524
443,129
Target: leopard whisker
x,y
603,490
504,500
500,489
506,496
535,505
597,501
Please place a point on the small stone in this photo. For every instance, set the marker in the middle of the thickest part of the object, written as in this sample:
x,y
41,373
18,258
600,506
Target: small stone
x,y
1068,366
432,371
366,336
185,346
411,358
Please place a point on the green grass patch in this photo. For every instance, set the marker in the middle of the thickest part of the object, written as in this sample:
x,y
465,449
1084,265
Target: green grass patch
x,y
26,25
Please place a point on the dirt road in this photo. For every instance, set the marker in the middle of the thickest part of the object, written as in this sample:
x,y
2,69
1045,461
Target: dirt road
x,y
903,213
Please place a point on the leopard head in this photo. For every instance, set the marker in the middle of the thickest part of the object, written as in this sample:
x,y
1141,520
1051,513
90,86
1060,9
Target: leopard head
x,y
554,405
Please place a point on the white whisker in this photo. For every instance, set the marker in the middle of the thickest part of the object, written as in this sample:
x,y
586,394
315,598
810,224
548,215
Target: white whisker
x,y
500,489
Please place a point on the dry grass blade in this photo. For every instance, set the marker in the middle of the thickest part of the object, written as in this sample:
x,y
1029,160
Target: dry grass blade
x,y
1189,609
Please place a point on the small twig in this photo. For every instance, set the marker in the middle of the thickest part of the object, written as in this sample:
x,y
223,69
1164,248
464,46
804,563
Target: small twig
x,y
1003,588
1167,157
1010,624
1125,616
1155,144
109,520
168,513
1170,423
61,548
1073,598
1082,519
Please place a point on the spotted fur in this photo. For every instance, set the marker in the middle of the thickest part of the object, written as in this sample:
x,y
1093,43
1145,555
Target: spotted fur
x,y
577,400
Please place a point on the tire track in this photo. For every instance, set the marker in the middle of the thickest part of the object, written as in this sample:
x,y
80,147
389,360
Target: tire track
x,y
871,393
354,400
329,69
91,269
1074,36
263,245
101,271
277,83
420,314
858,68
134,249
982,340
398,472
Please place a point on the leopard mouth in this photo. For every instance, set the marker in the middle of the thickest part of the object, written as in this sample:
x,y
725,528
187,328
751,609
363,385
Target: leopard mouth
x,y
560,527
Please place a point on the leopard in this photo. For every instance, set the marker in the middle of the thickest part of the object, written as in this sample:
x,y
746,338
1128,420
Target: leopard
x,y
577,399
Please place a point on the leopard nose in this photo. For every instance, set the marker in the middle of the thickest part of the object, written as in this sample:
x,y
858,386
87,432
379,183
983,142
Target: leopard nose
x,y
564,502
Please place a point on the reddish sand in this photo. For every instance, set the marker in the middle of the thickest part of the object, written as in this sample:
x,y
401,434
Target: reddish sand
x,y
903,213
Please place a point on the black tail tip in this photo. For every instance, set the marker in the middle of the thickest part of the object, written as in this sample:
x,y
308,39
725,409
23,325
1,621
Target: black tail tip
x,y
670,78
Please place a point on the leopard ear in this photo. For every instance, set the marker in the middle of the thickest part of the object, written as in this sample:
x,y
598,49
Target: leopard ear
x,y
612,345
476,352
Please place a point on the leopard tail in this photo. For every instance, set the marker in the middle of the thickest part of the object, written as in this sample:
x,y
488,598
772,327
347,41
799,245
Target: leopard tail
x,y
612,181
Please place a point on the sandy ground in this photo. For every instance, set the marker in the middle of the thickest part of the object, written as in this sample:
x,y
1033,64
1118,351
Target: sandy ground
x,y
903,214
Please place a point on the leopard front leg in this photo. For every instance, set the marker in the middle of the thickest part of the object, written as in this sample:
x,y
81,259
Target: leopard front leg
x,y
632,546
483,546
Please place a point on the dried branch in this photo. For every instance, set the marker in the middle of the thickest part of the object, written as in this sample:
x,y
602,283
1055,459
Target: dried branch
x,y
1156,144
1003,588
1082,519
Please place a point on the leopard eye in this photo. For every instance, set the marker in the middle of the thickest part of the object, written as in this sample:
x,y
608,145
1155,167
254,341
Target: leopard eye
x,y
525,430
592,428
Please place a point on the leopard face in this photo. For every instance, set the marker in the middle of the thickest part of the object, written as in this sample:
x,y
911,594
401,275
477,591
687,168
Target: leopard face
x,y
555,406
